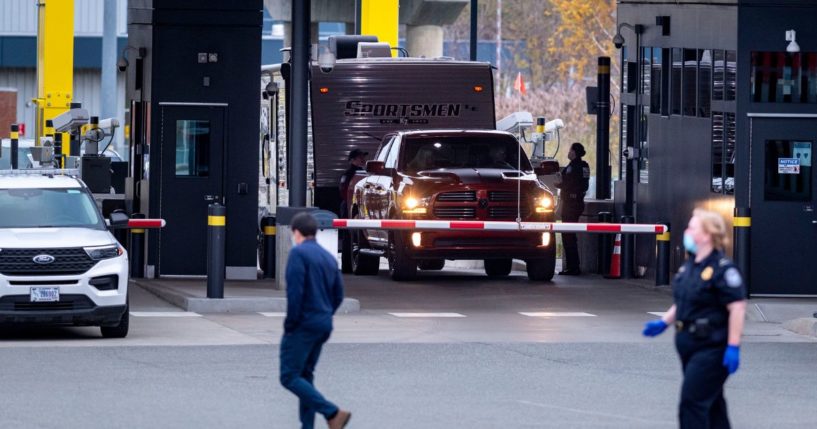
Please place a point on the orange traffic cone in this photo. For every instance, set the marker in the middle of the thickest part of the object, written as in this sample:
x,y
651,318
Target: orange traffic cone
x,y
615,260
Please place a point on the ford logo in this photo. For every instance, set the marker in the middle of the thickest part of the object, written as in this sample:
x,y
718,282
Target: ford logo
x,y
43,259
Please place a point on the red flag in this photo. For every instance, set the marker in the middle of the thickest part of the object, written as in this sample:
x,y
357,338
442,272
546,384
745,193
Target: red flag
x,y
519,84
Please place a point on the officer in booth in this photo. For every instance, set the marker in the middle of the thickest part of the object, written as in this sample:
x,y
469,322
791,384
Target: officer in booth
x,y
709,312
575,181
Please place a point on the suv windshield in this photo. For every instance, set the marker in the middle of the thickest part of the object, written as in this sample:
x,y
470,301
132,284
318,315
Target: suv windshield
x,y
481,151
48,208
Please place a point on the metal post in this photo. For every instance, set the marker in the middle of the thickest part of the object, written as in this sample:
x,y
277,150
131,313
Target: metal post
x,y
216,226
268,261
627,250
603,130
76,139
15,134
605,245
742,233
137,250
474,29
109,92
298,101
662,243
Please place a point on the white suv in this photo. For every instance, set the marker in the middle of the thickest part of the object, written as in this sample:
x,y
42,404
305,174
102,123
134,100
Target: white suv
x,y
59,264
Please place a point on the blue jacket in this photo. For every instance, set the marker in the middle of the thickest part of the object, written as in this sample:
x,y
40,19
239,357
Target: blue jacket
x,y
314,288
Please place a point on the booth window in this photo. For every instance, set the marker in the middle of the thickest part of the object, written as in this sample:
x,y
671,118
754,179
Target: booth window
x,y
723,153
704,82
644,146
731,76
782,77
646,61
193,148
718,77
655,81
690,83
677,72
788,170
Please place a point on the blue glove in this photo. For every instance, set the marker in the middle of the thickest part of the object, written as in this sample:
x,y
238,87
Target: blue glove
x,y
654,328
731,358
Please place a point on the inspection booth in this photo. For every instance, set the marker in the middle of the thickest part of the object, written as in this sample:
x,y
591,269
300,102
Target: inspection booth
x,y
193,69
720,99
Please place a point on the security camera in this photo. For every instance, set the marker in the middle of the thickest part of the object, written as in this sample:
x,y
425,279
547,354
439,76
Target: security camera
x,y
326,61
122,64
71,120
618,41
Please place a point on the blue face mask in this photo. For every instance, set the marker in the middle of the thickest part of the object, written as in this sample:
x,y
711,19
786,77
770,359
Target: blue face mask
x,y
689,244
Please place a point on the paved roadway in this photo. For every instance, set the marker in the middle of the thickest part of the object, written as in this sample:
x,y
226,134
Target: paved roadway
x,y
452,350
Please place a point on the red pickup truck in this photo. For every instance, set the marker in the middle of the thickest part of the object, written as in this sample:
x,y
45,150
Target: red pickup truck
x,y
451,175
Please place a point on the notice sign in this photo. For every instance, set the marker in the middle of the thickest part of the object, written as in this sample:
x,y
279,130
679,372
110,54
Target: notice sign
x,y
788,166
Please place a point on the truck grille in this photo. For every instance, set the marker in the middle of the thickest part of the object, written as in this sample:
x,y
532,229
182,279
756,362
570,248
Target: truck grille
x,y
67,261
502,196
66,303
457,197
455,212
508,212
482,242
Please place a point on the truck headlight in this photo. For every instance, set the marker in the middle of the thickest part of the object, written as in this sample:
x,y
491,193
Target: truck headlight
x,y
544,205
413,205
98,253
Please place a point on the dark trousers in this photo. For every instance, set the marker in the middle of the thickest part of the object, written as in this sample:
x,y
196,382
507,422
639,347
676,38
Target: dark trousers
x,y
702,403
300,351
571,211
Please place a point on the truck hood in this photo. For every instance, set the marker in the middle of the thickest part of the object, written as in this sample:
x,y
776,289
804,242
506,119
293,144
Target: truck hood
x,y
473,176
45,238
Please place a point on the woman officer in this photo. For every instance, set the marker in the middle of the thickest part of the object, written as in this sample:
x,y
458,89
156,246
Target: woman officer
x,y
709,310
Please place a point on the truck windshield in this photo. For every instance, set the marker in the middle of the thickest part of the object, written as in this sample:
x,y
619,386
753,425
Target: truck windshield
x,y
48,208
449,152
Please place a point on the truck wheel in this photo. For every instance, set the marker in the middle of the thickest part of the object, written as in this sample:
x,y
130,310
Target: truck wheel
x,y
345,251
542,270
120,330
361,264
498,267
401,266
431,264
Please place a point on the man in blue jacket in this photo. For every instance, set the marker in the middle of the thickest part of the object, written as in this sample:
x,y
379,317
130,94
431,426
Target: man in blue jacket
x,y
314,293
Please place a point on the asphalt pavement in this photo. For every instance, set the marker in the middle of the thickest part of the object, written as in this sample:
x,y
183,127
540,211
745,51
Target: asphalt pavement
x,y
450,350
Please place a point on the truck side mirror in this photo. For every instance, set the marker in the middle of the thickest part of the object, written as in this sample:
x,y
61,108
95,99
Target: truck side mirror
x,y
547,168
375,167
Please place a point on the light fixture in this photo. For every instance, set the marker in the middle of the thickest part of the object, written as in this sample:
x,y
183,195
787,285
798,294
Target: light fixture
x,y
545,239
416,239
793,47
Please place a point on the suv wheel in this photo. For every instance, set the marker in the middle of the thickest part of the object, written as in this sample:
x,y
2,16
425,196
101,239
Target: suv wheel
x,y
401,266
361,264
431,264
542,270
498,267
120,330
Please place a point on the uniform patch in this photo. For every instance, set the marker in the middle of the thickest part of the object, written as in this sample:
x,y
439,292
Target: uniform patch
x,y
682,269
586,172
723,262
706,274
733,278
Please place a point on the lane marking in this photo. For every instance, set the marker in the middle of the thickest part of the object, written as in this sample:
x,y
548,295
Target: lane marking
x,y
657,313
423,315
164,314
556,314
272,314
598,414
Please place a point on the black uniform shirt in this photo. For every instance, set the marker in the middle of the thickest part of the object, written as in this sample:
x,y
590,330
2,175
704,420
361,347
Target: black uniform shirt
x,y
703,290
575,179
343,186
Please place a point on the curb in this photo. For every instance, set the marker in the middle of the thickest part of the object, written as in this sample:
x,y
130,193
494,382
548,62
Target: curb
x,y
804,326
232,305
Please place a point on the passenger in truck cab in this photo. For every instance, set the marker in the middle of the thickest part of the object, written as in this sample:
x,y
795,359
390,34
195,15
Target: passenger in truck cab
x,y
575,181
498,158
423,160
357,161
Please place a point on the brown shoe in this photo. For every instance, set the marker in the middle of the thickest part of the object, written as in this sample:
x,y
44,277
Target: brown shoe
x,y
340,420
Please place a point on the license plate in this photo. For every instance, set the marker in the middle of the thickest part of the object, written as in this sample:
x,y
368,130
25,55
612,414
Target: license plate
x,y
45,294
